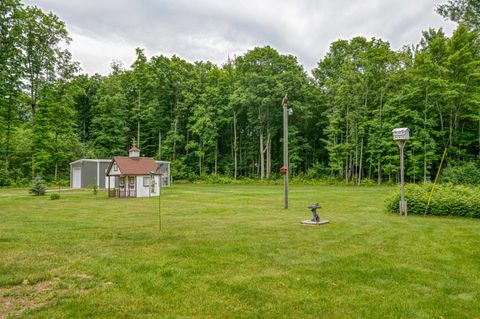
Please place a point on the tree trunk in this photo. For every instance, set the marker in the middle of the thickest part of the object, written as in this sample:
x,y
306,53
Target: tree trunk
x,y
160,146
355,173
9,119
262,157
450,130
235,144
379,164
216,158
425,142
346,170
379,172
138,134
359,180
174,138
269,153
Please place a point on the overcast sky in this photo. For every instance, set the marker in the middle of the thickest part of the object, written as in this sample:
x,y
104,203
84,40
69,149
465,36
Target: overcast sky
x,y
106,30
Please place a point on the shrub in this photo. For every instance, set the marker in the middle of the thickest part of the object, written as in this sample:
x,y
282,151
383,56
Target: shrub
x,y
452,200
54,196
318,171
5,178
466,173
94,188
38,187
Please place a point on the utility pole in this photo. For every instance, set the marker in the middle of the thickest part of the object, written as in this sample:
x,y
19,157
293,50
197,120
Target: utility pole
x,y
8,130
160,145
285,150
138,133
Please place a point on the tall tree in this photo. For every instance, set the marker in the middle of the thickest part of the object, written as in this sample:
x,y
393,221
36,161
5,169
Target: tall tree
x,y
44,57
462,11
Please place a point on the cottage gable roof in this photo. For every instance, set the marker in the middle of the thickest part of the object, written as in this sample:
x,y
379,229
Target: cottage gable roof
x,y
134,165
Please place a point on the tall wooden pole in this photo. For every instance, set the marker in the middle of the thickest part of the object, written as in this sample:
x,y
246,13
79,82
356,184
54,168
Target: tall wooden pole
x,y
403,206
159,203
285,149
235,143
159,146
138,133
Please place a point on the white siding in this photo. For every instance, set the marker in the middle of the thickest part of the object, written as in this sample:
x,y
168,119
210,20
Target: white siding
x,y
144,191
114,172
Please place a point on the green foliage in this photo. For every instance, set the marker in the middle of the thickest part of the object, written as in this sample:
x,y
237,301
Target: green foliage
x,y
318,171
227,120
94,188
462,11
54,196
38,187
464,173
5,178
447,200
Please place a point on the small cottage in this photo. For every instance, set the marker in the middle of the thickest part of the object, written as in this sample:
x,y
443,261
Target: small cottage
x,y
133,176
85,173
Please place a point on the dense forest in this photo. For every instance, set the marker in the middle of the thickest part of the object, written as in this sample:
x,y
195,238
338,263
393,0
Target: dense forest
x,y
227,120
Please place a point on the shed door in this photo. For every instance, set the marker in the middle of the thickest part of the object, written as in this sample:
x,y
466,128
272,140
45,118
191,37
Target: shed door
x,y
77,177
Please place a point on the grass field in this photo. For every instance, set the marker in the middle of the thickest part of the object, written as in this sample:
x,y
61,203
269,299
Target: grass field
x,y
232,251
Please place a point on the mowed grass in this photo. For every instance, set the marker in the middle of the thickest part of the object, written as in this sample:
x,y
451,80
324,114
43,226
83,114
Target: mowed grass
x,y
232,251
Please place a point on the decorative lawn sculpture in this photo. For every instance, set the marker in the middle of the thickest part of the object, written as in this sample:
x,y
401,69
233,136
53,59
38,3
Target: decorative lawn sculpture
x,y
315,221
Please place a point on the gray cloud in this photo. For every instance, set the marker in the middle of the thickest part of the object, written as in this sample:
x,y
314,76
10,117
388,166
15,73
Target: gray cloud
x,y
104,30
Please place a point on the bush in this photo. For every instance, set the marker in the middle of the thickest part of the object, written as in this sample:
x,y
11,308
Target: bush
x,y
466,173
38,187
94,188
451,200
318,171
54,196
5,178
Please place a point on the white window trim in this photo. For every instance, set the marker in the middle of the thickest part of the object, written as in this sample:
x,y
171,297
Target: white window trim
x,y
146,179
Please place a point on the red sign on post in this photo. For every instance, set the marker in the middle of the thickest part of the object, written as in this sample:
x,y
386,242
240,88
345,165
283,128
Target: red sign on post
x,y
283,170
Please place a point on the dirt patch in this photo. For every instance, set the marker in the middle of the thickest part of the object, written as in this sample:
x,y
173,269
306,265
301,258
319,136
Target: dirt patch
x,y
15,300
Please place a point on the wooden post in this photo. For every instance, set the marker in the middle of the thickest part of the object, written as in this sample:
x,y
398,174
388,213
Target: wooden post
x,y
159,202
159,146
285,150
403,206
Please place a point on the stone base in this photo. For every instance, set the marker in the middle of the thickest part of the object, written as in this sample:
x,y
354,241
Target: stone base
x,y
310,223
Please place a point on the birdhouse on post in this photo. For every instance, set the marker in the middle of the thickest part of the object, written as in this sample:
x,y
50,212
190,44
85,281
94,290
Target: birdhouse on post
x,y
401,134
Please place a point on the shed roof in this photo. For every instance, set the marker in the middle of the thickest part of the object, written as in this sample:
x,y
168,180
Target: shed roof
x,y
134,165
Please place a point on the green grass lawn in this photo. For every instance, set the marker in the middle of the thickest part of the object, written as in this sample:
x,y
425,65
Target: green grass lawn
x,y
233,251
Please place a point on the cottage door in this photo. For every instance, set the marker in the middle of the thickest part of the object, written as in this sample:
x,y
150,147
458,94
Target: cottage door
x,y
122,187
131,186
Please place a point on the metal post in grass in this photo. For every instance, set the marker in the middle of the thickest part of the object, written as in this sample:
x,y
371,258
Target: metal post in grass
x,y
401,135
152,176
160,174
284,169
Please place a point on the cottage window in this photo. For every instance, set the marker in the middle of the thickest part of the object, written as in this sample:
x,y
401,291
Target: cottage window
x,y
146,181
115,167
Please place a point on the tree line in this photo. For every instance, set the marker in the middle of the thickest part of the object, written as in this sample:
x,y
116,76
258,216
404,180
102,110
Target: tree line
x,y
227,120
